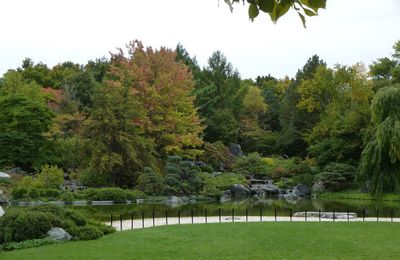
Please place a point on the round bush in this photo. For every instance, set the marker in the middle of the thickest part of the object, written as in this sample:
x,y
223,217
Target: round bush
x,y
89,232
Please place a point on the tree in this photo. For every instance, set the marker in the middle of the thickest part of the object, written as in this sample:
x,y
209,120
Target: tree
x,y
278,8
163,87
222,126
23,124
117,148
386,71
150,182
380,161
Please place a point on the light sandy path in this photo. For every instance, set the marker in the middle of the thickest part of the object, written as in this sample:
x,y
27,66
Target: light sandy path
x,y
148,222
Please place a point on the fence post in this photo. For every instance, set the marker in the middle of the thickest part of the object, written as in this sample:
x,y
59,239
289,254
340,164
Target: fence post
x,y
179,217
166,217
153,219
260,214
377,215
305,215
111,220
391,215
219,215
131,220
319,215
142,219
247,215
120,221
275,214
333,217
348,215
363,214
290,214
191,211
233,215
205,214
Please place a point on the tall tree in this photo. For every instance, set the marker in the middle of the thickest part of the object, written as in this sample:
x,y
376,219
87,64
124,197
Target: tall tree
x,y
380,161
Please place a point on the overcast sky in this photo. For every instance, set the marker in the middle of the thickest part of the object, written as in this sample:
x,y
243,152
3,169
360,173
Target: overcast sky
x,y
53,31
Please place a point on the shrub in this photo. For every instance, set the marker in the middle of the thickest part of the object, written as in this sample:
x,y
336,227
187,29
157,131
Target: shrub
x,y
19,193
89,232
218,156
50,177
102,227
67,196
306,179
114,194
215,184
279,172
337,176
53,193
252,165
149,181
33,193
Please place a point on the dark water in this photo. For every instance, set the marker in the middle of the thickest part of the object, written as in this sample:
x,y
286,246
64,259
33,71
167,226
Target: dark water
x,y
267,208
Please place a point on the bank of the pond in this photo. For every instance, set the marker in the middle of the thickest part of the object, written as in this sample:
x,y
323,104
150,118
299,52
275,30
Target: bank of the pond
x,y
356,195
268,240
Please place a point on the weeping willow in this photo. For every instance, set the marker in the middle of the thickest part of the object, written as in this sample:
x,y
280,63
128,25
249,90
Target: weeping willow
x,y
380,159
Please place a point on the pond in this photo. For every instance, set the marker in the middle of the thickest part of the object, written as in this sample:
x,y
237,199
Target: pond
x,y
267,207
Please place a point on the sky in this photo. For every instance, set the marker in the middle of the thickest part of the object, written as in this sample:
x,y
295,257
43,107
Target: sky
x,y
54,31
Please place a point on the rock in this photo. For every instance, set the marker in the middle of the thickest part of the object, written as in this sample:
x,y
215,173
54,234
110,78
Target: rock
x,y
103,202
236,150
301,190
5,176
1,211
271,188
318,187
176,201
329,215
59,234
16,170
239,191
72,185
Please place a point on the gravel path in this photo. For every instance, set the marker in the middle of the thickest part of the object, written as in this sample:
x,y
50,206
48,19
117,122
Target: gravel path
x,y
148,222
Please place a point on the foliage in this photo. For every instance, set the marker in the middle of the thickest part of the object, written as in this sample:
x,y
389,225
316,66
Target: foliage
x,y
251,165
222,126
150,182
113,194
21,224
117,148
278,8
49,177
337,176
181,177
214,184
163,87
380,162
23,123
217,155
28,244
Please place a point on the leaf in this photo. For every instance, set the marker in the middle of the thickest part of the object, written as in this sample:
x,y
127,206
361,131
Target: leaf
x,y
314,4
253,11
303,19
309,12
279,10
266,5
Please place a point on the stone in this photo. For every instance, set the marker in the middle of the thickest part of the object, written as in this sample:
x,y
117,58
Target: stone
x,y
271,188
328,215
59,234
1,211
16,170
174,201
301,190
4,175
318,187
239,191
236,150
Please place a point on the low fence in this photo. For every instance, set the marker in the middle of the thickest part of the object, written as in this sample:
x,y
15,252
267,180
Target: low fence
x,y
137,220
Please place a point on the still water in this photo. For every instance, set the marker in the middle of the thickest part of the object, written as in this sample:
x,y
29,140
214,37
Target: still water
x,y
267,208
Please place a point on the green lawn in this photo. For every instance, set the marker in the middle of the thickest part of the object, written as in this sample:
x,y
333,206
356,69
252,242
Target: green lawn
x,y
234,241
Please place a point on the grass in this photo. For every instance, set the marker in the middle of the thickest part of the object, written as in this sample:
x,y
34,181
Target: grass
x,y
356,195
234,241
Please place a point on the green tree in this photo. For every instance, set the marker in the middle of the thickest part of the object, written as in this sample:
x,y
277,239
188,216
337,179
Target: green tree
x,y
386,71
118,150
150,182
380,161
49,177
23,124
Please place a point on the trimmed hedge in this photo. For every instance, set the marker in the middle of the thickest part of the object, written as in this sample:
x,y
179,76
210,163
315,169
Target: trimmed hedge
x,y
115,194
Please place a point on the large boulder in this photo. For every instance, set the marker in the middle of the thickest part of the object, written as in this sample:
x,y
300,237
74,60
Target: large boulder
x,y
236,150
301,190
4,175
226,196
176,201
59,234
239,191
1,211
318,187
